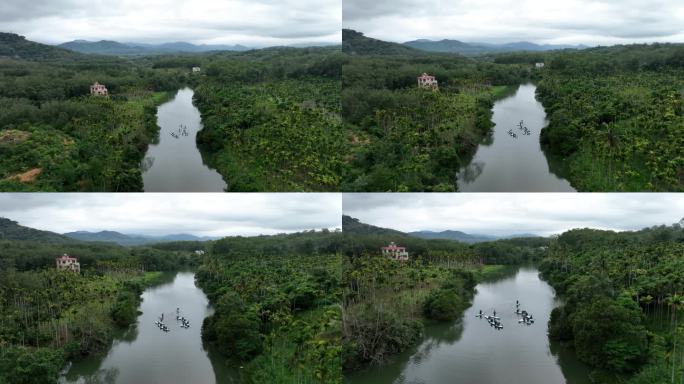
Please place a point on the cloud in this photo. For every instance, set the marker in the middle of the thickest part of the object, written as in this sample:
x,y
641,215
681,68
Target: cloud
x,y
514,213
171,213
254,23
570,21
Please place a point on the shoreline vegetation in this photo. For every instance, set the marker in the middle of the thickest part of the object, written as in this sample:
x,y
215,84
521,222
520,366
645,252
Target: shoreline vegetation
x,y
615,113
387,303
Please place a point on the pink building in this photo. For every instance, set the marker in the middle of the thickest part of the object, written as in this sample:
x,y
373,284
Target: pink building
x,y
66,262
427,81
395,253
98,89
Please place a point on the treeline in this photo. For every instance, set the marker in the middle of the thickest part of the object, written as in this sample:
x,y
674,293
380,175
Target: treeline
x,y
272,119
49,317
622,301
408,139
387,302
616,115
276,303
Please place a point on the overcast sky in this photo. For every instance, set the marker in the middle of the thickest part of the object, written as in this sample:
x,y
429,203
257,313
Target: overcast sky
x,y
604,22
515,213
200,214
253,23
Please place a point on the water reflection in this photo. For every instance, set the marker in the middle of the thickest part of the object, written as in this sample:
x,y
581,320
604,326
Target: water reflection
x,y
469,350
512,160
174,163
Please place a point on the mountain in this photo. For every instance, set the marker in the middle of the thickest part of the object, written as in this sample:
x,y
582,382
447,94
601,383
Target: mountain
x,y
124,239
453,235
352,225
355,43
105,47
15,46
11,230
466,237
456,46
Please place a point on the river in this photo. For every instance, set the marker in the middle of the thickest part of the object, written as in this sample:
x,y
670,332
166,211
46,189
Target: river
x,y
511,159
469,350
146,354
175,164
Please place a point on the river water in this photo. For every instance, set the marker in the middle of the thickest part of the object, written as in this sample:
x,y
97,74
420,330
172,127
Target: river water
x,y
175,164
146,354
512,160
469,350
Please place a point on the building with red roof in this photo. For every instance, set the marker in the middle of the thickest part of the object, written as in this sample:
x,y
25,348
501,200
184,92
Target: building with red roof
x,y
395,252
427,81
66,262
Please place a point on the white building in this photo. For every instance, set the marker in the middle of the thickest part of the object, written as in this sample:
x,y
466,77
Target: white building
x,y
66,262
196,69
395,252
427,81
539,65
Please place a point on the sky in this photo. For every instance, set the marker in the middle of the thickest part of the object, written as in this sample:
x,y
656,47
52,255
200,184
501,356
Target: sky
x,y
515,213
589,22
255,23
200,214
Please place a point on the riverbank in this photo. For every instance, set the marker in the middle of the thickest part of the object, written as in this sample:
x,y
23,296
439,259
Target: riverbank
x,y
469,348
89,309
174,162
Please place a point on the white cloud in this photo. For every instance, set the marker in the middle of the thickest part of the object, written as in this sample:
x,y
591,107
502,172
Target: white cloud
x,y
514,213
569,21
205,214
254,23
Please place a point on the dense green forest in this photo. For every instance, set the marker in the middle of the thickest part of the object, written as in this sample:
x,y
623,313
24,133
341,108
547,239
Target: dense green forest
x,y
409,139
616,114
54,136
276,301
272,119
49,317
387,302
623,302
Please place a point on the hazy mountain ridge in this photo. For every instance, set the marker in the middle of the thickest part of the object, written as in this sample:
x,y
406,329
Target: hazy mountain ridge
x,y
108,47
355,43
466,237
16,46
133,239
11,230
456,46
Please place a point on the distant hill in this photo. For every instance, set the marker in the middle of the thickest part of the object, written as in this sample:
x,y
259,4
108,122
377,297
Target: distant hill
x,y
453,235
355,43
456,46
15,46
11,230
105,47
129,240
352,225
465,237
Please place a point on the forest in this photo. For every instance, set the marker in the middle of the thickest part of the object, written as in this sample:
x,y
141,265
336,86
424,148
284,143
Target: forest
x,y
272,119
55,137
276,301
623,301
387,303
408,139
615,114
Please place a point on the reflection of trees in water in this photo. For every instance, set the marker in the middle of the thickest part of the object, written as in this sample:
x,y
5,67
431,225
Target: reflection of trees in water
x,y
436,337
574,371
146,164
102,376
472,171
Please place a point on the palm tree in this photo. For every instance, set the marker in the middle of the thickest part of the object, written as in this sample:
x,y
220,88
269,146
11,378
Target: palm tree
x,y
677,303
